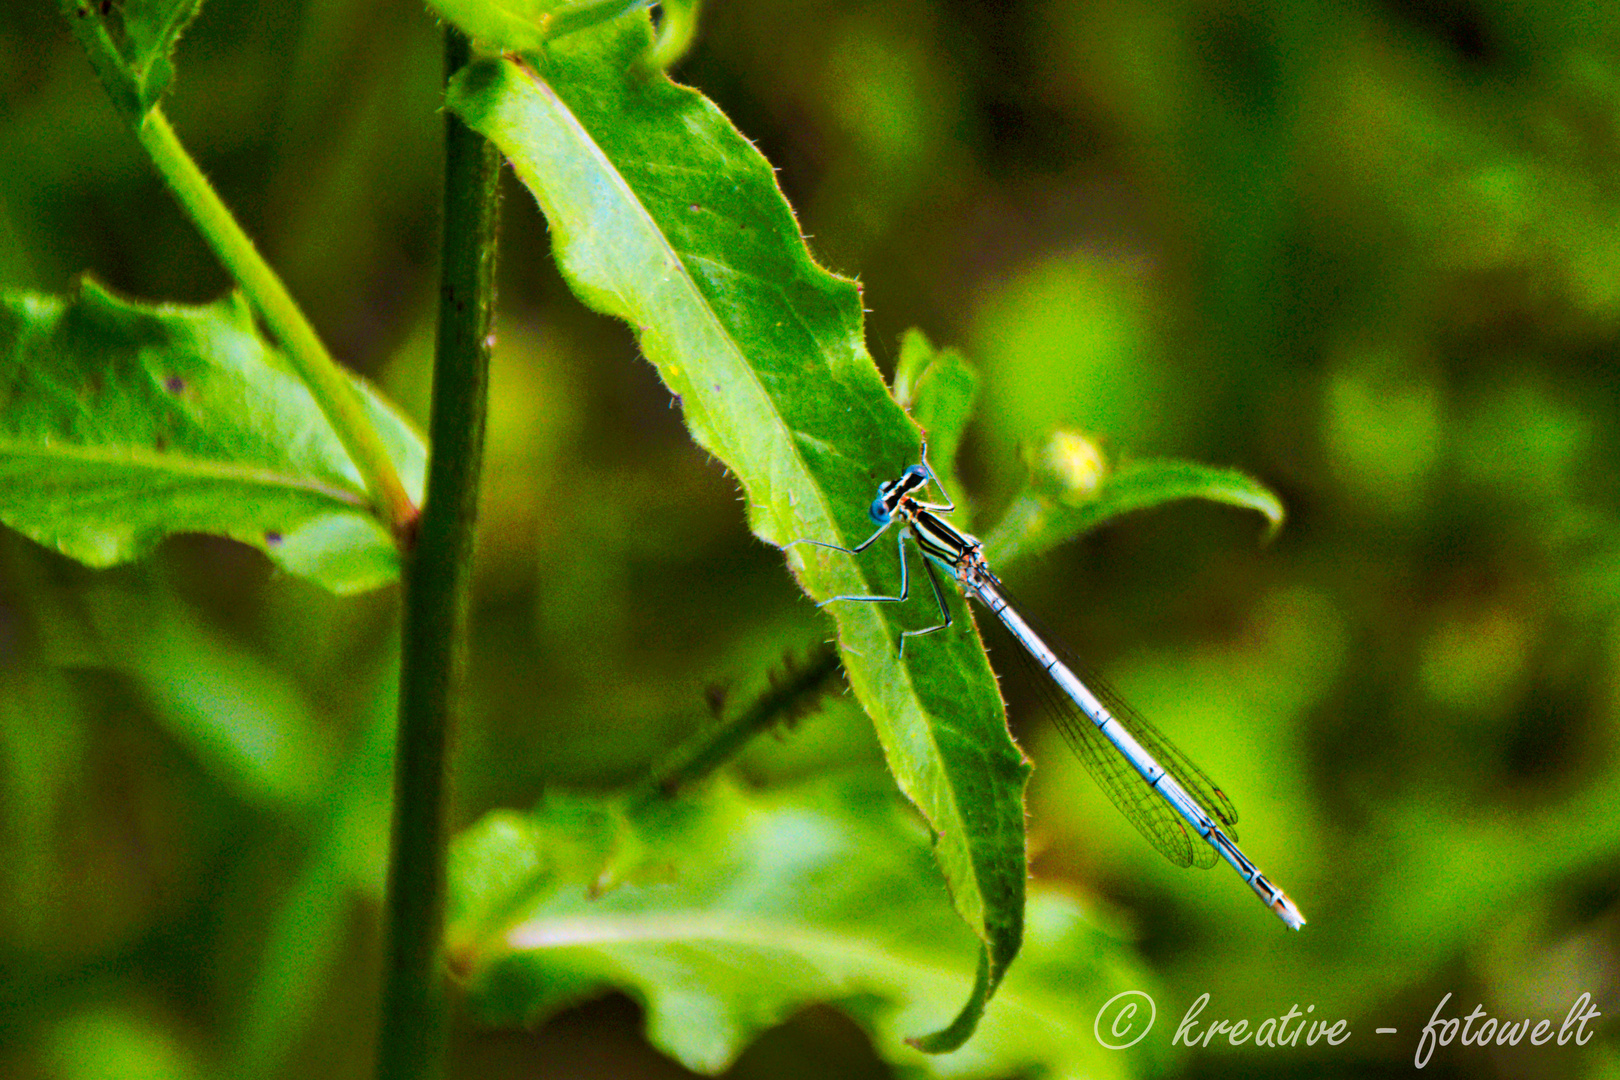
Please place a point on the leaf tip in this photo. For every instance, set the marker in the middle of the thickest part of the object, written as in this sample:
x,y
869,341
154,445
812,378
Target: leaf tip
x,y
955,1034
1271,507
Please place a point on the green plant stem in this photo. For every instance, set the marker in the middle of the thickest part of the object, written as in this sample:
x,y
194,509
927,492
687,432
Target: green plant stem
x,y
437,581
789,696
329,384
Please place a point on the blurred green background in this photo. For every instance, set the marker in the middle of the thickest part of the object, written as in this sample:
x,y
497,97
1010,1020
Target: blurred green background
x,y
1369,253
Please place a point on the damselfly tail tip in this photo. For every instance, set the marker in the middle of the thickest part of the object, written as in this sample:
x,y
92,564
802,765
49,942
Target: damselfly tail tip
x,y
1287,912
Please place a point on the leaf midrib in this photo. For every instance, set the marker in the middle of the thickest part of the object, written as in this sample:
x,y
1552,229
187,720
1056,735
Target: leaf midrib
x,y
951,802
739,356
180,465
741,360
727,928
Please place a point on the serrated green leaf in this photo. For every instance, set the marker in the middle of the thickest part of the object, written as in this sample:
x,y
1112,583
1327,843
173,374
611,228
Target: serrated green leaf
x,y
664,215
1072,491
732,911
937,387
123,423
130,43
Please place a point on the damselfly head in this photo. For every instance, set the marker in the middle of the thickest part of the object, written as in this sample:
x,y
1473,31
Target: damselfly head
x,y
892,492
882,510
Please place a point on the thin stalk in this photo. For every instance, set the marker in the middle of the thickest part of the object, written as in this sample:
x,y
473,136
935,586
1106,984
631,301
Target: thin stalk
x,y
790,695
411,1041
328,383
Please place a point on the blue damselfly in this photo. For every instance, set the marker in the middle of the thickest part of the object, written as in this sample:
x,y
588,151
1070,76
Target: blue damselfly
x,y
1147,778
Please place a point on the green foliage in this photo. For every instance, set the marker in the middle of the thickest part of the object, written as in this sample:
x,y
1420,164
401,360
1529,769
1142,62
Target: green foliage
x,y
677,28
242,721
123,423
501,25
130,43
101,1043
1071,491
725,912
663,215
304,934
1367,253
937,387
527,25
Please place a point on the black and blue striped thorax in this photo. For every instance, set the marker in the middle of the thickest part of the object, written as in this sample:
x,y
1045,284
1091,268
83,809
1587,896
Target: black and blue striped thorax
x,y
940,540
